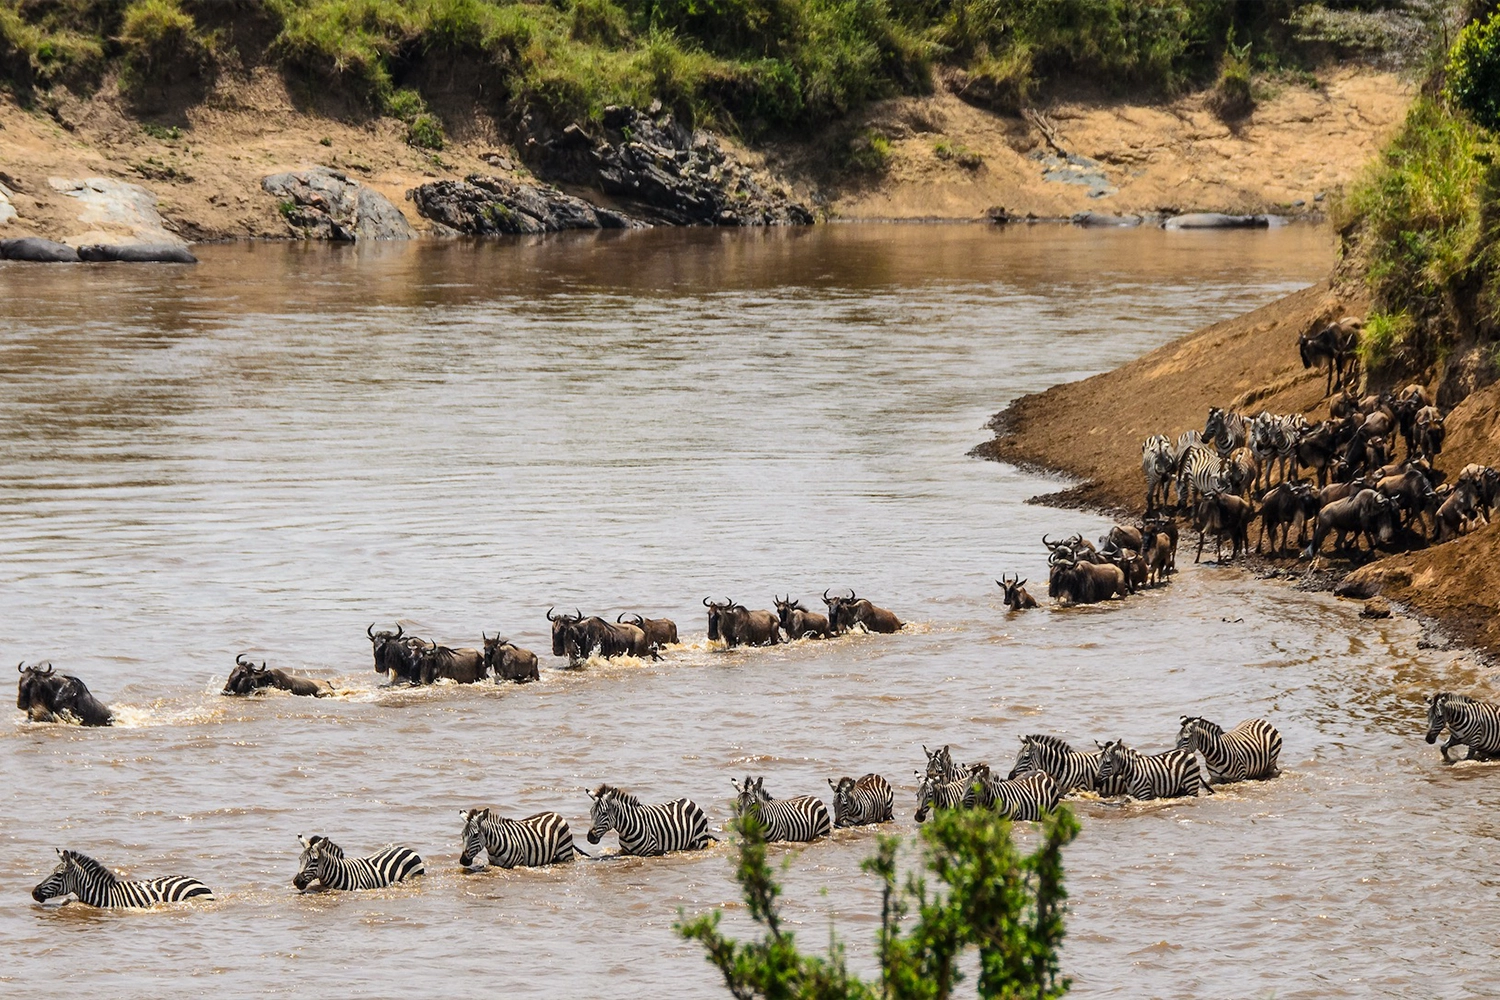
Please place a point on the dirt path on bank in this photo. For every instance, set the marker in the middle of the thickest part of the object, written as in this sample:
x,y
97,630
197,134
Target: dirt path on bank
x,y
1093,429
205,164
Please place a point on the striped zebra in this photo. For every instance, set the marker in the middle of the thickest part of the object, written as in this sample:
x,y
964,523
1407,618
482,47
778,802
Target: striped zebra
x,y
1070,768
801,818
1159,776
323,862
543,839
1471,722
1239,472
1026,797
1158,465
860,803
95,885
940,765
933,792
645,830
1246,752
1226,430
1198,474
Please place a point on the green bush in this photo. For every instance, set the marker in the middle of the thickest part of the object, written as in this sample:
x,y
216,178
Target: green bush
x,y
1474,71
1231,97
868,152
1007,906
160,40
425,132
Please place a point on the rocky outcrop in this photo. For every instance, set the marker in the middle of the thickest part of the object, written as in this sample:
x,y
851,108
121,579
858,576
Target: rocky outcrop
x,y
661,171
115,211
480,205
324,204
7,210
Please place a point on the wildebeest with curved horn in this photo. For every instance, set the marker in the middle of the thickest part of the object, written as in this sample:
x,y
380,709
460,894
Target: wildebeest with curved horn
x,y
580,638
855,610
47,696
246,678
506,661
562,630
737,625
1016,597
395,654
1073,582
798,622
465,665
660,632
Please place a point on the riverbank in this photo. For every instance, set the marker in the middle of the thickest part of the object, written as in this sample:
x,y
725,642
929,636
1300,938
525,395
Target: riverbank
x,y
1092,430
948,159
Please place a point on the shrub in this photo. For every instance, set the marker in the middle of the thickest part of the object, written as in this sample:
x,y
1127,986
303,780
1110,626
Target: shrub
x,y
959,154
425,132
1474,71
160,41
1231,97
1006,906
868,152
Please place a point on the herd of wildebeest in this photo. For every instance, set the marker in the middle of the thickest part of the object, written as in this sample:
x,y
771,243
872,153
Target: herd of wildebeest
x,y
1238,469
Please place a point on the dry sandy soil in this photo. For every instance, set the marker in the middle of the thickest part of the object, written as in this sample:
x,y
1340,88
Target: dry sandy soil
x,y
1174,155
1093,429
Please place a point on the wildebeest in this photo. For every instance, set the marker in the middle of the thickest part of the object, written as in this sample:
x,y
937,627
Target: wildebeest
x,y
1333,345
466,665
1224,516
246,677
1072,582
395,654
1428,431
1456,511
1413,494
1366,513
798,622
855,610
562,630
736,625
1160,555
1122,537
1284,505
1016,597
660,632
506,661
1486,486
579,638
47,696
1131,562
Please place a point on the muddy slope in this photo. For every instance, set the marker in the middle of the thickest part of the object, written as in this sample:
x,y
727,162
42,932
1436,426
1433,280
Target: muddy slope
x,y
1093,429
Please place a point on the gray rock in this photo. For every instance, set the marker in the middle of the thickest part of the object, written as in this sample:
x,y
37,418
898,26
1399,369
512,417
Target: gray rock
x,y
113,209
481,205
1217,220
7,210
37,250
324,204
136,253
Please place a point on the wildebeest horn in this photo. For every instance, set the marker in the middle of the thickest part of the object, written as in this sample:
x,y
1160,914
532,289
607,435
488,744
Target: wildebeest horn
x,y
483,637
707,603
619,617
370,631
550,616
48,671
400,631
240,661
21,667
852,595
1049,544
578,614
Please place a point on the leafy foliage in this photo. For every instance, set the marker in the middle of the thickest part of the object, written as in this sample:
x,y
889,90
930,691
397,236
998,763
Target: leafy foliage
x,y
1007,906
1474,71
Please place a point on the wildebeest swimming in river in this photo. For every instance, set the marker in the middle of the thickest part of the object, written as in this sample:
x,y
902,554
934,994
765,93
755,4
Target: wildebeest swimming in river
x,y
47,696
736,625
395,654
247,678
579,638
507,661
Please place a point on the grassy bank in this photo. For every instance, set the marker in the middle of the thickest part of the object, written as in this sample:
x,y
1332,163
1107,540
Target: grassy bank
x,y
748,65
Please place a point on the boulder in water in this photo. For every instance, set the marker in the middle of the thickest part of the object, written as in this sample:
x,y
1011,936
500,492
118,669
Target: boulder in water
x,y
324,204
480,205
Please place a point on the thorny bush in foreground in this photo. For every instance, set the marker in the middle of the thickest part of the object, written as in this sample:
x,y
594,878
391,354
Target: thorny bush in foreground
x,y
1007,905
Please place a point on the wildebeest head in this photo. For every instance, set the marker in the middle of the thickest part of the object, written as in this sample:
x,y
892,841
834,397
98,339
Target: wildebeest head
x,y
36,690
246,677
784,609
381,644
715,617
1015,592
47,696
562,627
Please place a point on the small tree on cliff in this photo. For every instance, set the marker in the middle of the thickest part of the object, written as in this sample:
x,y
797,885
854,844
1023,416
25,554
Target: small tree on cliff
x,y
1006,905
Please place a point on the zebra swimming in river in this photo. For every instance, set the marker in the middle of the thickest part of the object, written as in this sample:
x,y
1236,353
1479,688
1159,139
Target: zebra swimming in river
x,y
860,803
647,830
1470,722
1071,769
1160,776
800,818
323,862
95,885
543,839
935,793
1026,797
1246,752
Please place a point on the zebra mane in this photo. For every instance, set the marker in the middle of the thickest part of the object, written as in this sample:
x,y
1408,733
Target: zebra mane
x,y
618,794
93,869
1051,742
1198,722
326,846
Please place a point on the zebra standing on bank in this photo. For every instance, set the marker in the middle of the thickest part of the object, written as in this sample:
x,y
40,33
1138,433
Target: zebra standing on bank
x,y
860,803
1026,797
543,839
1226,430
1069,768
1158,464
1471,722
933,792
95,885
801,818
645,830
1159,776
1246,752
1198,473
323,862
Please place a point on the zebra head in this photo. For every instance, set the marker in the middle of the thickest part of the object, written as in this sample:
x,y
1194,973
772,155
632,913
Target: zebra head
x,y
1193,731
602,811
314,849
1026,760
473,835
843,798
62,881
1437,718
1113,759
750,795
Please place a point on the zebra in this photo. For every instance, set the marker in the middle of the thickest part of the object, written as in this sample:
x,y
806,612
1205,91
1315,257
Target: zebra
x,y
648,831
940,765
1026,797
543,839
323,862
1159,776
1069,768
1198,473
859,803
1226,430
1158,464
1471,722
1246,752
96,885
1239,472
802,818
934,792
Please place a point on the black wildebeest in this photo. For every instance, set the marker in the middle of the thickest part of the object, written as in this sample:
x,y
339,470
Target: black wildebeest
x,y
562,630
246,678
855,610
1333,345
47,696
660,632
435,662
587,636
506,661
1016,597
1282,506
736,625
395,654
1224,516
798,622
1073,582
1365,513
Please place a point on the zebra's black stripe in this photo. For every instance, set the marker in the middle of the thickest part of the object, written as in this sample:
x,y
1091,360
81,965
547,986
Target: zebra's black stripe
x,y
96,885
1248,751
542,839
323,861
859,803
935,793
648,830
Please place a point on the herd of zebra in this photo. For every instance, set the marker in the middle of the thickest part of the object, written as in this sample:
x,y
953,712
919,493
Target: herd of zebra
x,y
1046,770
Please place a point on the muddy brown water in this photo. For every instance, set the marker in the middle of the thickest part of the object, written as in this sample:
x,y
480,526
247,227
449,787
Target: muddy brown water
x,y
274,449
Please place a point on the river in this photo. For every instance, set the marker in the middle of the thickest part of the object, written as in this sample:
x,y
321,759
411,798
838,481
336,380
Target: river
x,y
276,448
